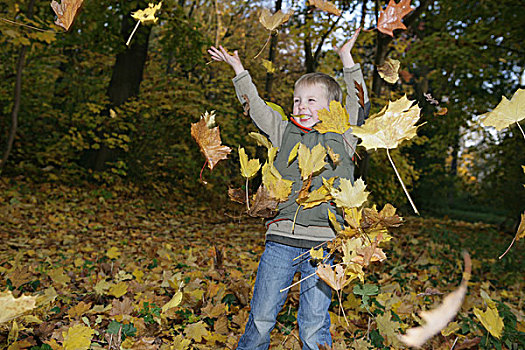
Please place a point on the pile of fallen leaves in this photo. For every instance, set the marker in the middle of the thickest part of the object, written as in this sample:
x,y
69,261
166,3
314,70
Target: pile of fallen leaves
x,y
99,270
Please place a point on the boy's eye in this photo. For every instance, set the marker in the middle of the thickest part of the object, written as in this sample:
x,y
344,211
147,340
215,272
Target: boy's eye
x,y
311,100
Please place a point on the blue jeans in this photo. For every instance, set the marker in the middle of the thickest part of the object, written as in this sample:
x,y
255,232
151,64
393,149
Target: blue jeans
x,y
275,272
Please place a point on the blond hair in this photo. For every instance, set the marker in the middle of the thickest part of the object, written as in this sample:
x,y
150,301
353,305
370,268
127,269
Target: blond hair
x,y
332,88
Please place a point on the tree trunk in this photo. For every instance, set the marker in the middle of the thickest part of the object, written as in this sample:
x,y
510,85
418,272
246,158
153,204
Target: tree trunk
x,y
127,75
17,94
271,57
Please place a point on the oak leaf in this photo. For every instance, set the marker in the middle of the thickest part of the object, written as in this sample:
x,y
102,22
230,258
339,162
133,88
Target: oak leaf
x,y
348,195
391,17
77,337
148,14
333,120
326,6
389,70
14,307
438,318
506,112
273,21
209,141
249,168
392,125
66,12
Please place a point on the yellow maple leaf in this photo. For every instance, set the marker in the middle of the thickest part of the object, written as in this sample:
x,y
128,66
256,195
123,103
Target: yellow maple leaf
x,y
148,14
335,119
102,286
273,21
311,161
320,195
196,331
260,139
249,168
392,125
388,329
278,187
348,195
389,70
58,276
119,289
77,338
293,153
270,67
507,112
317,254
14,307
113,253
491,320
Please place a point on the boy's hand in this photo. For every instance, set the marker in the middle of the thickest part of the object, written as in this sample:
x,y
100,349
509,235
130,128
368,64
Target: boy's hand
x,y
344,51
221,54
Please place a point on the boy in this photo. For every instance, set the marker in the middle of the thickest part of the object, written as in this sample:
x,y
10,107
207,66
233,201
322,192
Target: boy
x,y
313,92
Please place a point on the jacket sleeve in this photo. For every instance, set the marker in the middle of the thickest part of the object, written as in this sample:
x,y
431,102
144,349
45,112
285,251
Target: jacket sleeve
x,y
265,118
356,111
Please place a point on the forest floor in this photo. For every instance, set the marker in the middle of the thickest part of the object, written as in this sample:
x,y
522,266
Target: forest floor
x,y
105,266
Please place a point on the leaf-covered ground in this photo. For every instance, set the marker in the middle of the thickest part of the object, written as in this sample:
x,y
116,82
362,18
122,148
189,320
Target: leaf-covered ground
x,y
107,264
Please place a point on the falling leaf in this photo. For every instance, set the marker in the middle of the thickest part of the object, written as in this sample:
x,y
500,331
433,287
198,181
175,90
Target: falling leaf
x,y
66,12
334,157
209,117
311,199
438,318
506,112
392,125
14,307
360,94
348,195
311,161
391,17
491,320
520,233
209,141
278,187
333,120
237,195
270,68
406,75
249,168
272,22
77,337
148,14
430,99
335,278
264,205
260,139
441,111
293,153
386,217
389,70
326,6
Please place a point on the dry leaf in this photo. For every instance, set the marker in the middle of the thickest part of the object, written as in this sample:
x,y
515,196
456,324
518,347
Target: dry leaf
x,y
391,17
196,331
209,141
333,120
335,278
66,12
392,125
406,75
491,320
270,68
272,22
263,205
506,112
441,111
314,198
14,307
77,337
310,161
437,319
260,139
237,195
348,195
388,329
326,6
334,157
278,187
389,70
360,94
430,99
148,14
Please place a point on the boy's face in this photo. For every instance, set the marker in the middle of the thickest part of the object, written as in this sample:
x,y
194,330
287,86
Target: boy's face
x,y
307,101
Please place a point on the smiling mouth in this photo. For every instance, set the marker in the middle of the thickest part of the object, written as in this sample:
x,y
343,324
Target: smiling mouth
x,y
303,117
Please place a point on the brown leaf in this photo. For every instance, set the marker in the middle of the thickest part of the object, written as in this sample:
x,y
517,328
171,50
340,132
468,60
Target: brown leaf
x,y
430,99
237,195
209,141
335,278
326,6
468,343
387,217
246,105
391,17
389,70
264,205
66,12
124,307
360,94
79,310
441,111
405,75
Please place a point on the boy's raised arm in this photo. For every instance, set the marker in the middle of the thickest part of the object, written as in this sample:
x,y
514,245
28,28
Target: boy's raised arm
x,y
266,119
